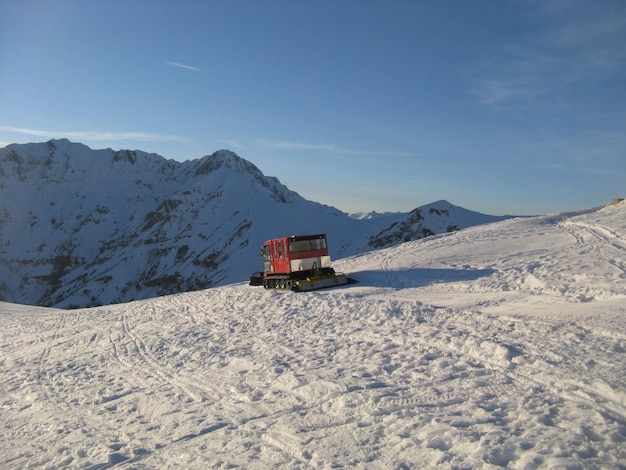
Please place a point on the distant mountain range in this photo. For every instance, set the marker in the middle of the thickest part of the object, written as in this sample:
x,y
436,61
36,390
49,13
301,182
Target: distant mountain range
x,y
82,227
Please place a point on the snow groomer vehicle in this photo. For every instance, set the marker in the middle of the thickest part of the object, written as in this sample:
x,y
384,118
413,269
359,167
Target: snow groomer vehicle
x,y
300,263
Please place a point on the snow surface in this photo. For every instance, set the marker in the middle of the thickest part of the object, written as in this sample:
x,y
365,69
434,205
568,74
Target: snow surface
x,y
499,346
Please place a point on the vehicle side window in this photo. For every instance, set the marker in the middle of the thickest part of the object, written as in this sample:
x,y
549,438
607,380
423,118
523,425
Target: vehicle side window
x,y
307,245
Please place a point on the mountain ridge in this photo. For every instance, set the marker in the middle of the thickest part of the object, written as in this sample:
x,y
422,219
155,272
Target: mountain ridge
x,y
84,227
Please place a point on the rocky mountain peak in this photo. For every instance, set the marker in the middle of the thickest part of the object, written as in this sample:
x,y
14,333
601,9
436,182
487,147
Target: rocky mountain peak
x,y
225,158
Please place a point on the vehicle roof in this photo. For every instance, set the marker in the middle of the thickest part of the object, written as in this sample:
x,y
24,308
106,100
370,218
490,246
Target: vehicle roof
x,y
299,237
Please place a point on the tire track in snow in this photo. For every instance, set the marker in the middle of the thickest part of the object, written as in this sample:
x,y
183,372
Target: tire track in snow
x,y
179,378
372,393
606,238
145,357
65,387
503,371
595,245
552,370
509,383
560,372
457,351
44,380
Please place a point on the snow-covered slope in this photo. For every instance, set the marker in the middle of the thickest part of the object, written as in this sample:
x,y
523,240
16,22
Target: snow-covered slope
x,y
83,227
499,346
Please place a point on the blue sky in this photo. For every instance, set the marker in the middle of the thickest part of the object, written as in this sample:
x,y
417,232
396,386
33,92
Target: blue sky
x,y
504,107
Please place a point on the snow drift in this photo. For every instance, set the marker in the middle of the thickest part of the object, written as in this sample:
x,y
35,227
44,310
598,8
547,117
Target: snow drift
x,y
499,346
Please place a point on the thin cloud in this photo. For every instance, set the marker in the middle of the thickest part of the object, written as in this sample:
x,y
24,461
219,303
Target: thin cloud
x,y
582,43
502,89
182,66
302,146
331,148
98,136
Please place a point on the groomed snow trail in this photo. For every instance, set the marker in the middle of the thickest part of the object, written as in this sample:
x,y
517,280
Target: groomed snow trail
x,y
502,346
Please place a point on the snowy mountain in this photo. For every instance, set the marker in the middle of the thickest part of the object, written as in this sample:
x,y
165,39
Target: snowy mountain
x,y
372,215
83,227
498,346
429,220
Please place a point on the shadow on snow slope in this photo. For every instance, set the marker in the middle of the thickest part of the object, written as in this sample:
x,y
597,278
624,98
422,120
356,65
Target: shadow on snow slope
x,y
417,277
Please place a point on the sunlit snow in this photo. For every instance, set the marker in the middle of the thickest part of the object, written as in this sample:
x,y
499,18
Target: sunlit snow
x,y
499,346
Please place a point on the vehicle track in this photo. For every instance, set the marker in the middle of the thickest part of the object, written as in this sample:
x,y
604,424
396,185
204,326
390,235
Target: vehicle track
x,y
46,387
149,365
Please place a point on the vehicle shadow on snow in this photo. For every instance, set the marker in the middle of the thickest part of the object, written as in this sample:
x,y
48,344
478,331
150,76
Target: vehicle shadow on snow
x,y
417,277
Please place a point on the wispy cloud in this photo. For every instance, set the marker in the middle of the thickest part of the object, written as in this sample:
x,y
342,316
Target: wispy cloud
x,y
301,146
499,89
332,148
97,136
182,66
581,42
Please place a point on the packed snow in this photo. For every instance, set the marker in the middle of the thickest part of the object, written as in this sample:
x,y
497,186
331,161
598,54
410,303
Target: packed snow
x,y
498,346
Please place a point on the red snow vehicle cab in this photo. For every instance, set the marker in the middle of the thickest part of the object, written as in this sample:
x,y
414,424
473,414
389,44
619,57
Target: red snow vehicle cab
x,y
299,263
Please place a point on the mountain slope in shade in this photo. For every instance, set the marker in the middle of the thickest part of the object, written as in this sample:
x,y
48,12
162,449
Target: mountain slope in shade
x,y
83,227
